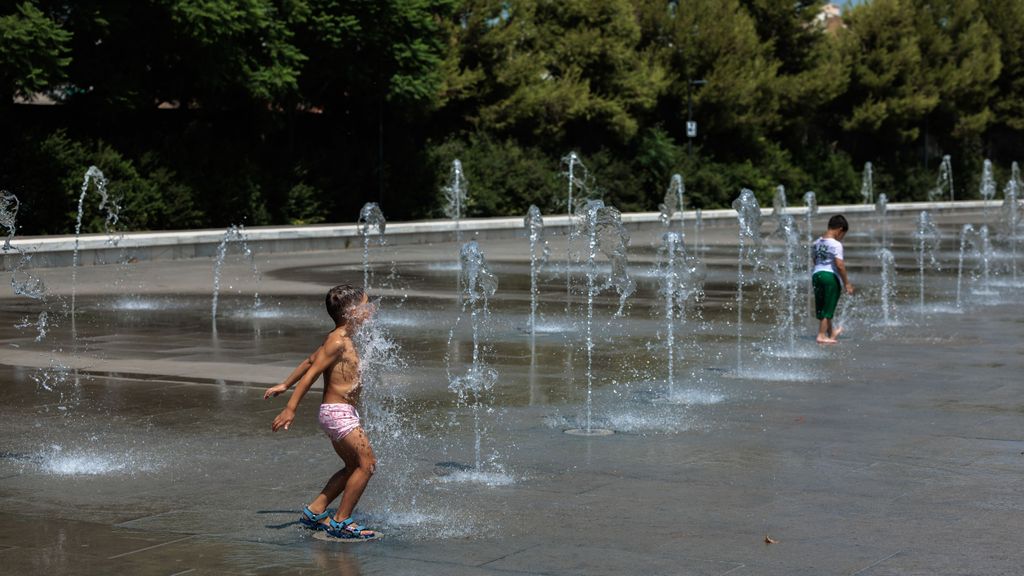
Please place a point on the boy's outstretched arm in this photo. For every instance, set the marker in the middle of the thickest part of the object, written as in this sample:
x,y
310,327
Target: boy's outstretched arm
x,y
291,379
321,361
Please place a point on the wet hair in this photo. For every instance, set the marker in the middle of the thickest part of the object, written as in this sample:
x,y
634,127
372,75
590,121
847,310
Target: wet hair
x,y
838,222
340,299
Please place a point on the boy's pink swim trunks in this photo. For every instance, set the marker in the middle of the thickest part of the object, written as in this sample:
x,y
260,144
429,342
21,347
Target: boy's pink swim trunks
x,y
338,420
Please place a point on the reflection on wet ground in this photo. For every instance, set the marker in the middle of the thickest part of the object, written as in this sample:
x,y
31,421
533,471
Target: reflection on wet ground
x,y
145,447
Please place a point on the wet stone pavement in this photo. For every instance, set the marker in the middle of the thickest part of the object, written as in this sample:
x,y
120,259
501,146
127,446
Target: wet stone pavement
x,y
143,445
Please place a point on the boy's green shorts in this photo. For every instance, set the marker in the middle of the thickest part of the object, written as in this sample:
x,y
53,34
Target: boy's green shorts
x,y
826,294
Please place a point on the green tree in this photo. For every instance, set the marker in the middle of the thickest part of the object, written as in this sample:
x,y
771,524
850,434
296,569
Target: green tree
x,y
890,89
923,78
391,50
963,60
715,41
1006,20
811,69
49,180
208,53
33,51
556,71
504,178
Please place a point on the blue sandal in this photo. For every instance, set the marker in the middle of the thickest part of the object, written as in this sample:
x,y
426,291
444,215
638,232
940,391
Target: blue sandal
x,y
313,521
347,529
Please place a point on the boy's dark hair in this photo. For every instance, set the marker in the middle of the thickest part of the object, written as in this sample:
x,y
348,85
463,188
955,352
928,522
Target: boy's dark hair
x,y
340,299
838,221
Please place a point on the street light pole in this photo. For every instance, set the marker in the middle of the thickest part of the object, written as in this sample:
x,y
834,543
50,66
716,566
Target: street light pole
x,y
691,126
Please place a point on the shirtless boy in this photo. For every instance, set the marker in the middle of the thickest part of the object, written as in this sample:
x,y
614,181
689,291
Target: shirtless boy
x,y
338,361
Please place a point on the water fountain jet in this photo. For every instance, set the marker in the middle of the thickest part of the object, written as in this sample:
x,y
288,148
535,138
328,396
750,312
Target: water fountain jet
x,y
788,279
965,239
236,234
534,223
1011,214
95,176
479,284
371,220
605,234
867,184
987,254
678,282
888,290
748,214
456,194
882,211
576,175
928,238
944,182
673,202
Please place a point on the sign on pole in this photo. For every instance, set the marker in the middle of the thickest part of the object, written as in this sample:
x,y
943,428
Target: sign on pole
x,y
691,129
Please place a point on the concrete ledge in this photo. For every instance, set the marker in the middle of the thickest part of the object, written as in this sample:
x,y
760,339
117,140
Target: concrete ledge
x,y
96,249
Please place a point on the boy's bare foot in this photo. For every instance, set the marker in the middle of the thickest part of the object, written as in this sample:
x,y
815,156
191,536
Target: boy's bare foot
x,y
836,332
825,340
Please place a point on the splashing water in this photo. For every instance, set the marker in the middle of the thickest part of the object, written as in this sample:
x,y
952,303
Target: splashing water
x,y
673,201
867,184
456,193
539,253
965,239
371,220
59,462
577,176
30,286
61,379
811,202
748,213
698,226
678,282
99,181
779,205
41,325
945,181
479,284
987,187
787,278
888,285
882,210
927,242
987,255
236,234
8,216
1011,213
383,403
54,377
605,234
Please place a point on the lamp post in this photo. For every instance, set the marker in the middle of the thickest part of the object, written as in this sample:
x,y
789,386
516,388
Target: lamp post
x,y
691,126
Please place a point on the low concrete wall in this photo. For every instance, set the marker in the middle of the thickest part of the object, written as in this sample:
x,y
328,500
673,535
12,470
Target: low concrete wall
x,y
57,251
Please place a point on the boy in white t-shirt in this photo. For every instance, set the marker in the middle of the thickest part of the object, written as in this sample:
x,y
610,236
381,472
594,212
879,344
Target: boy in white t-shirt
x,y
829,277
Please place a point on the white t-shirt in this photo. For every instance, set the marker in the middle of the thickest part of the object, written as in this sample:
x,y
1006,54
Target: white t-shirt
x,y
826,251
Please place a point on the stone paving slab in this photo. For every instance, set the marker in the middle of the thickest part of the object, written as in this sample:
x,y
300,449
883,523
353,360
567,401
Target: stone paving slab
x,y
904,456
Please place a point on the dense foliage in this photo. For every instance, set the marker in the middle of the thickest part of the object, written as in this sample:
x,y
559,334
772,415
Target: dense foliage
x,y
210,112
